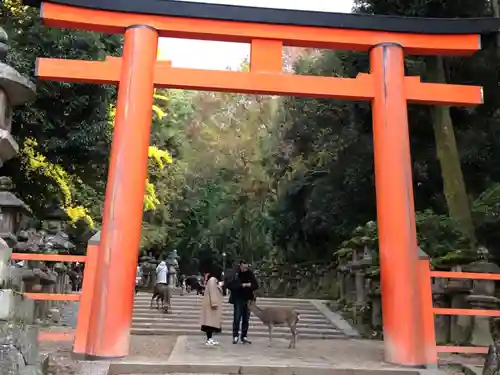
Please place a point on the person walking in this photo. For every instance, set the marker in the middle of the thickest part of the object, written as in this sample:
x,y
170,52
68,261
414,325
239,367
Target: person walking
x,y
242,289
162,273
181,281
211,307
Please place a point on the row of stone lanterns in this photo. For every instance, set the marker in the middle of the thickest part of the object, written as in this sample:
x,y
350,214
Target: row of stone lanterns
x,y
356,288
14,219
18,336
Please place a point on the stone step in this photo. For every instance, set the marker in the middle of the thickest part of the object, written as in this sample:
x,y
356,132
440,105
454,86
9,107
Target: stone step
x,y
190,303
164,368
183,318
228,325
226,306
278,301
226,303
161,317
331,334
175,310
175,305
194,296
196,313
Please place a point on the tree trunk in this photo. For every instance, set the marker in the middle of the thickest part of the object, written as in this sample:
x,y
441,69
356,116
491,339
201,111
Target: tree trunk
x,y
449,159
495,7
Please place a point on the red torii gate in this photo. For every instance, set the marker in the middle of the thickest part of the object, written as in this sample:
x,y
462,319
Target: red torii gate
x,y
106,331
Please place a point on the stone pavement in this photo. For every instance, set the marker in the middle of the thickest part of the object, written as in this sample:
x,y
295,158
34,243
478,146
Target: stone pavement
x,y
327,353
187,354
190,355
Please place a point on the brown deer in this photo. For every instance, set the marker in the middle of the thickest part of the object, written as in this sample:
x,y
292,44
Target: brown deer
x,y
163,293
277,316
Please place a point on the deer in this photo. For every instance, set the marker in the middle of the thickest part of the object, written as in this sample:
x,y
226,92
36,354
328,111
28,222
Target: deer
x,y
277,316
164,293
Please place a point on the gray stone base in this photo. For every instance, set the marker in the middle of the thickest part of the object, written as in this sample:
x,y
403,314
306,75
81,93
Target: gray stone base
x,y
19,349
14,307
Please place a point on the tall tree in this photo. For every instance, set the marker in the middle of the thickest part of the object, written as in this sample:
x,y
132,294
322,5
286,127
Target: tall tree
x,y
454,187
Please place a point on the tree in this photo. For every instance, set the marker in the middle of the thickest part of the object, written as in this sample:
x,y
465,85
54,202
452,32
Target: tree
x,y
64,146
440,70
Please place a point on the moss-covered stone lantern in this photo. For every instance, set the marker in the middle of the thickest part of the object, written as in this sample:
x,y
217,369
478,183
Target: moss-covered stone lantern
x,y
12,212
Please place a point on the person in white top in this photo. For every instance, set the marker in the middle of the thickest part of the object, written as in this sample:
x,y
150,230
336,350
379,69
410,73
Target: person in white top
x,y
162,273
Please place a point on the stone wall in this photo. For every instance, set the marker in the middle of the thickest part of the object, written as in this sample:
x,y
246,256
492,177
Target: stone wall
x,y
18,331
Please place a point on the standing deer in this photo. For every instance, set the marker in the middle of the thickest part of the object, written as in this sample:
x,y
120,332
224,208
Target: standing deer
x,y
274,316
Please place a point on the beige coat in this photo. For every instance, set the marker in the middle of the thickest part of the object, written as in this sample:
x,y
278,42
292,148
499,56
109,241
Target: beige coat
x,y
211,307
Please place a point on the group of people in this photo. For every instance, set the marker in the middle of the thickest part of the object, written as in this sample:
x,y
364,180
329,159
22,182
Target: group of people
x,y
241,285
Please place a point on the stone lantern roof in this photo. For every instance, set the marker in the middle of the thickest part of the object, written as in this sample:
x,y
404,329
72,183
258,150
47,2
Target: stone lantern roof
x,y
9,200
18,88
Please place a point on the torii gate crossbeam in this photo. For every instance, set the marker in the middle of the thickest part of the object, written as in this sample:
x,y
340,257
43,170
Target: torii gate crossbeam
x,y
267,30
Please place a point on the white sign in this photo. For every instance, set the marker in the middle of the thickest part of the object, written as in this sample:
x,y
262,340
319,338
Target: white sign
x,y
329,6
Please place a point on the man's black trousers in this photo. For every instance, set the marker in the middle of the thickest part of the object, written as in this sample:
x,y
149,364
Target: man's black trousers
x,y
241,315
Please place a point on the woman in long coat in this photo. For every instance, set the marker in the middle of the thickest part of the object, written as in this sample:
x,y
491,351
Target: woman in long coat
x,y
211,308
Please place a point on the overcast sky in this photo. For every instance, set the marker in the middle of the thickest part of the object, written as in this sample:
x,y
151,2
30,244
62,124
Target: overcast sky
x,y
219,55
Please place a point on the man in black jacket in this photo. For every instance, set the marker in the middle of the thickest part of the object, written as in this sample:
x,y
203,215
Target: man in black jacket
x,y
242,287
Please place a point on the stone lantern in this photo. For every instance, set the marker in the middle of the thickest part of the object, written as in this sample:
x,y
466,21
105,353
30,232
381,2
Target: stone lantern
x,y
55,240
148,267
361,260
54,218
18,335
14,90
173,264
482,297
12,212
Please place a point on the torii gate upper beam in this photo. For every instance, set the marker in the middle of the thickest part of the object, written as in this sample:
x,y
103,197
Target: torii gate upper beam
x,y
387,39
270,83
419,36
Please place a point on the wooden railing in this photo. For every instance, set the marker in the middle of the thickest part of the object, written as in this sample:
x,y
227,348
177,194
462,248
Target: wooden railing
x,y
84,297
428,311
50,258
468,312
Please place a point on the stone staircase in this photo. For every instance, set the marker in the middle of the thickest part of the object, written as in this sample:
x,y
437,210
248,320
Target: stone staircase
x,y
185,312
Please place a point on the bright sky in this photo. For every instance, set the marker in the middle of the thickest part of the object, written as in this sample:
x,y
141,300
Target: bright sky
x,y
219,55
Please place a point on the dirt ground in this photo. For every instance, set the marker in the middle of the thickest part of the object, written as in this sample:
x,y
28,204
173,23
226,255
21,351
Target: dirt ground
x,y
58,359
148,346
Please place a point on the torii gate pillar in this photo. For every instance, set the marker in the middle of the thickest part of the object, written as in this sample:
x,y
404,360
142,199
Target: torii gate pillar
x,y
395,207
113,300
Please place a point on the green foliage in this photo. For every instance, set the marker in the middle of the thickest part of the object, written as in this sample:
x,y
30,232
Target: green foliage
x,y
276,181
63,135
224,190
329,188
